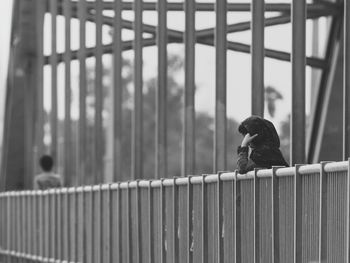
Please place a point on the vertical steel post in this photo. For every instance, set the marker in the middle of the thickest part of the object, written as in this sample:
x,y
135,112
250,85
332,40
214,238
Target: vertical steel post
x,y
346,84
220,86
99,95
67,118
117,91
257,51
137,139
275,216
297,215
161,101
82,12
39,125
188,155
53,62
297,141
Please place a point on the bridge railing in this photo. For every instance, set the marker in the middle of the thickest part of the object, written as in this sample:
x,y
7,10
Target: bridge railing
x,y
295,214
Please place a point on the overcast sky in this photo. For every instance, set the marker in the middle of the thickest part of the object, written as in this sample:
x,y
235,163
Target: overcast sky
x,y
5,28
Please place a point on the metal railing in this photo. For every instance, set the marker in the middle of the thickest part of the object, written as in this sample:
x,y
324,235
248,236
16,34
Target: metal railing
x,y
296,214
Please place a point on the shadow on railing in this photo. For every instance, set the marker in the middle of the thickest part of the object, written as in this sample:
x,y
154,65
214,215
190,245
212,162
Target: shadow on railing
x,y
273,215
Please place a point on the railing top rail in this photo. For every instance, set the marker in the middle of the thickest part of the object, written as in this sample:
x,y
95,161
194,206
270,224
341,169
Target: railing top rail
x,y
208,178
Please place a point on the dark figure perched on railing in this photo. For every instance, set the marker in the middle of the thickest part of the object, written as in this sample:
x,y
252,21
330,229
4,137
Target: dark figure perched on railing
x,y
47,179
262,141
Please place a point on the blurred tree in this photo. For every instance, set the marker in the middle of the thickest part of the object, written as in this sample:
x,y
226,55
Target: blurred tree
x,y
271,97
204,125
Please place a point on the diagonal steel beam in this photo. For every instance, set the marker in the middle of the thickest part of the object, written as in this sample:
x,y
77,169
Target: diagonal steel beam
x,y
209,32
233,46
271,21
231,7
319,112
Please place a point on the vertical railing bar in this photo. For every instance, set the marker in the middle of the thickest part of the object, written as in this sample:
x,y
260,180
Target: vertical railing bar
x,y
54,224
237,219
82,90
298,82
150,222
322,247
15,222
204,221
81,227
137,141
162,223
3,222
53,62
19,218
346,82
347,255
275,216
220,86
220,219
39,125
67,118
189,220
59,212
47,224
9,224
257,51
27,228
256,216
117,91
75,224
119,224
66,227
161,101
106,233
35,221
98,212
175,223
297,215
90,227
24,223
138,225
188,155
129,249
98,94
41,227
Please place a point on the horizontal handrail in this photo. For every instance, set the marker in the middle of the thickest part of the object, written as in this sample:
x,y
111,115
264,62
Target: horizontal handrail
x,y
306,169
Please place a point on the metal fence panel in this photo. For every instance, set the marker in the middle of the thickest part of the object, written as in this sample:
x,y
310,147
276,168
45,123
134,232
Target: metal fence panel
x,y
198,219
